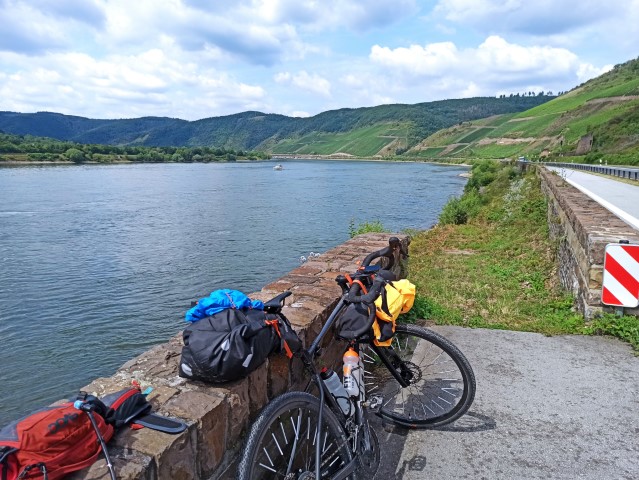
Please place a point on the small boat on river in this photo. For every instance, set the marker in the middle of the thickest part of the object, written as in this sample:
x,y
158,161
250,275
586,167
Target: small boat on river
x,y
278,167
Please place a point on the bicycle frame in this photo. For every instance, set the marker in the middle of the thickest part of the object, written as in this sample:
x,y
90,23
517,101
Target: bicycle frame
x,y
325,397
308,356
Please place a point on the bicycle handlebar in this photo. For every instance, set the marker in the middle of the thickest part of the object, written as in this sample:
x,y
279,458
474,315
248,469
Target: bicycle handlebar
x,y
351,288
388,252
375,290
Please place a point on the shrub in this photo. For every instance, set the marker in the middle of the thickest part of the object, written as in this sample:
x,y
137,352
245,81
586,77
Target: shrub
x,y
75,155
484,172
458,210
366,227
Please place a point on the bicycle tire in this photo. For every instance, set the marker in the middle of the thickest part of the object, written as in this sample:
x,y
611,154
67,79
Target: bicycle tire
x,y
266,453
442,383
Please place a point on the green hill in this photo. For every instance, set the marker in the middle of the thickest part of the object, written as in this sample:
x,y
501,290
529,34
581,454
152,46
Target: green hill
x,y
597,120
361,131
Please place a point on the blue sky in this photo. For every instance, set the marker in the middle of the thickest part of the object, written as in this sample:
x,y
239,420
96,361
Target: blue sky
x,y
194,59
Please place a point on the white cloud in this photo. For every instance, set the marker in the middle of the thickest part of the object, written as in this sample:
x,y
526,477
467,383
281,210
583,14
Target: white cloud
x,y
150,83
542,17
441,70
305,81
357,15
597,30
90,12
429,60
263,32
196,58
586,71
499,57
27,30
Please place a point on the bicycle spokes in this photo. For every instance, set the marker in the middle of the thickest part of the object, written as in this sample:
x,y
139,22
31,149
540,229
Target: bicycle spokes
x,y
435,384
288,450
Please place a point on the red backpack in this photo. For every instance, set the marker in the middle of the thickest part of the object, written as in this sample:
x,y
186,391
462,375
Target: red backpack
x,y
52,442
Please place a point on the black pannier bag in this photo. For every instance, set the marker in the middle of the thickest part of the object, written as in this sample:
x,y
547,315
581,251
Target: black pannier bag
x,y
352,319
228,345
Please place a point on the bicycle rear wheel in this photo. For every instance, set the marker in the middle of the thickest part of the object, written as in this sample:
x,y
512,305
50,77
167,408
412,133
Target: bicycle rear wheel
x,y
281,442
441,382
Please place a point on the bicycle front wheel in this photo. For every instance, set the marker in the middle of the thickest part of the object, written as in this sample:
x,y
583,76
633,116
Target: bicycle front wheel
x,y
441,382
281,442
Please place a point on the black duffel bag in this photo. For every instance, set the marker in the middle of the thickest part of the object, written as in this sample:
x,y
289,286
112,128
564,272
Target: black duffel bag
x,y
227,346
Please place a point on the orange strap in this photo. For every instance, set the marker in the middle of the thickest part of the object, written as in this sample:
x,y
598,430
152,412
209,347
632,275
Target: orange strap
x,y
359,282
276,325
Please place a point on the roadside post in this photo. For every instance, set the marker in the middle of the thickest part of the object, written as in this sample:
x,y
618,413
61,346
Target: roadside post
x,y
620,285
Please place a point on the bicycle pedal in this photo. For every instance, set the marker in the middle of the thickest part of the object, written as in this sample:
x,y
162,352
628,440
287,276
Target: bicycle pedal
x,y
375,401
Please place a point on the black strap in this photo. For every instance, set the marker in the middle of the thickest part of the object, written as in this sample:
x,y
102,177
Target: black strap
x,y
41,466
97,405
5,451
385,308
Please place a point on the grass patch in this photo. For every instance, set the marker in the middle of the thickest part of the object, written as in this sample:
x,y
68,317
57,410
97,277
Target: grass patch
x,y
361,142
498,269
457,149
476,135
496,150
532,127
430,152
625,327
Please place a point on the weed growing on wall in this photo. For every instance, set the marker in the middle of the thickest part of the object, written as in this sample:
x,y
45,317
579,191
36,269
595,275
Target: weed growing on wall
x,y
374,226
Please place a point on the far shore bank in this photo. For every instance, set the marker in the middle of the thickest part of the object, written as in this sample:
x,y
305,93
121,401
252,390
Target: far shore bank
x,y
20,163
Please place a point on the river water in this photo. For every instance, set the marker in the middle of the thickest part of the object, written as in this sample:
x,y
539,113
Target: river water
x,y
99,263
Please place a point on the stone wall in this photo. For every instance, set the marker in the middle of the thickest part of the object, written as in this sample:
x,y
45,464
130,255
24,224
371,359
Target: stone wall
x,y
582,229
219,415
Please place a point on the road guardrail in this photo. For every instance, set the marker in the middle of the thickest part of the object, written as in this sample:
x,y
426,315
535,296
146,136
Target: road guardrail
x,y
622,172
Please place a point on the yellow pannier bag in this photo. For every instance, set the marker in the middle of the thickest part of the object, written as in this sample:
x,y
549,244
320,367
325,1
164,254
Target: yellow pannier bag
x,y
397,297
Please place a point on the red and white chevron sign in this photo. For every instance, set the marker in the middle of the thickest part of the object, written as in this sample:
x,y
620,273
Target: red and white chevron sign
x,y
621,275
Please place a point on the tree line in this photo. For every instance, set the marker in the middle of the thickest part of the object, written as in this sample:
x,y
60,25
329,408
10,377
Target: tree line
x,y
29,147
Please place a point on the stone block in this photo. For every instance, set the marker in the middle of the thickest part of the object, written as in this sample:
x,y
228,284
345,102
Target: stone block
x,y
306,271
237,397
318,264
128,465
209,413
258,389
159,362
174,455
595,277
278,375
298,316
320,295
330,286
276,287
104,386
300,279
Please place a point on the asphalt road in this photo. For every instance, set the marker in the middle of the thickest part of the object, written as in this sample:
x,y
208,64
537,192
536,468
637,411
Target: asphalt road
x,y
564,407
620,198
